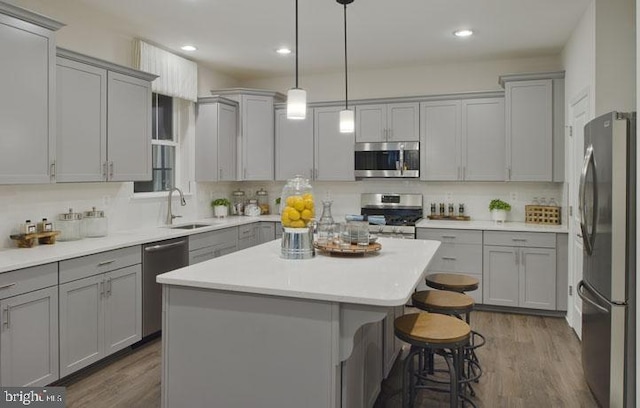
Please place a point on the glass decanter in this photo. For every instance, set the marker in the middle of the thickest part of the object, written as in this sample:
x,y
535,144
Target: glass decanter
x,y
326,223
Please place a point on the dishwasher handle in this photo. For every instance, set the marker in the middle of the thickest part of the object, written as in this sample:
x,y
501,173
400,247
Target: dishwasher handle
x,y
162,247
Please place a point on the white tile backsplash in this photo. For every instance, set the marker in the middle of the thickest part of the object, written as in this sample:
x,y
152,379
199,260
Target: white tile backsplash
x,y
21,202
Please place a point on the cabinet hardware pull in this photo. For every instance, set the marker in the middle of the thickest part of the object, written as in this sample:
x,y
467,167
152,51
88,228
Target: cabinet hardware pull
x,y
508,173
103,263
108,285
7,318
101,288
219,174
464,172
53,169
516,257
105,165
519,240
110,170
449,236
449,258
7,286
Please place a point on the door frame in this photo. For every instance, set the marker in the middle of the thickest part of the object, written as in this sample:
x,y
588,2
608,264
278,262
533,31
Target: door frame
x,y
574,316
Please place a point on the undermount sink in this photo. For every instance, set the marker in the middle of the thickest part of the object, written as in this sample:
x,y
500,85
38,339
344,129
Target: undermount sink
x,y
190,226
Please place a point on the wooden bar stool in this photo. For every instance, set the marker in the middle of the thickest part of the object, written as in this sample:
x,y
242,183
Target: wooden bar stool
x,y
452,282
433,333
454,304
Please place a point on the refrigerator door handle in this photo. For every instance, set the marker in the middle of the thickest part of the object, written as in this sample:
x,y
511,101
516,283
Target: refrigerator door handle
x,y
580,290
588,239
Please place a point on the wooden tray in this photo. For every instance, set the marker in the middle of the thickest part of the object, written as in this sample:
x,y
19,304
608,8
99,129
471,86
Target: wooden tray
x,y
450,217
353,249
28,240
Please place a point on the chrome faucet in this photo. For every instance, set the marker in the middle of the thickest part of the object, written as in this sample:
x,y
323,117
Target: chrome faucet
x,y
170,216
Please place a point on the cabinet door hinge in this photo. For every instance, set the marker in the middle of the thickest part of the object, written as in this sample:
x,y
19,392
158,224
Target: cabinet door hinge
x,y
570,211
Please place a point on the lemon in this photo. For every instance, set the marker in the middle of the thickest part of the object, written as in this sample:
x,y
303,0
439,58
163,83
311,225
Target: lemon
x,y
297,224
308,203
305,215
284,217
307,196
291,200
287,223
294,215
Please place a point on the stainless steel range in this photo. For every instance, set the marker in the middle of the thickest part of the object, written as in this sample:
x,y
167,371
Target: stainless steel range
x,y
401,212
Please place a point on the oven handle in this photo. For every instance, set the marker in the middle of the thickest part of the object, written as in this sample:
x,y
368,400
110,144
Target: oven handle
x,y
401,159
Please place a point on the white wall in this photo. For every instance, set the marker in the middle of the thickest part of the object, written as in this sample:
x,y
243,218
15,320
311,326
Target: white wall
x,y
615,56
408,81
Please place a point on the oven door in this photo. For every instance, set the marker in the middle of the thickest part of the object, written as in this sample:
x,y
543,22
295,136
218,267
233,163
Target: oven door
x,y
398,159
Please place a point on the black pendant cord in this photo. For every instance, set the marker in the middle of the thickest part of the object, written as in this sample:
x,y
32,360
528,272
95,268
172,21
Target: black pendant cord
x,y
346,75
296,44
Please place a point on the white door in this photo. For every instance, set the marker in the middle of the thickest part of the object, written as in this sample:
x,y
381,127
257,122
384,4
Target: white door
x,y
578,117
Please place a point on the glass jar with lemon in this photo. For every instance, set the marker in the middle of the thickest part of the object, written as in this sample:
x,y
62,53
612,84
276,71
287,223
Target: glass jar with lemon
x,y
297,212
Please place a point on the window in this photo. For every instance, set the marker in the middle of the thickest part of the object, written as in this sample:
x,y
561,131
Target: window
x,y
164,147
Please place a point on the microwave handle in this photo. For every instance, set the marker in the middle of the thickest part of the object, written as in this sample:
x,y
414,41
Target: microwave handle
x,y
401,159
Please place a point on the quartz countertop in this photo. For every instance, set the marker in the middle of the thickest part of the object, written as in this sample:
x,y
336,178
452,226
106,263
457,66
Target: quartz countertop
x,y
386,278
492,226
17,258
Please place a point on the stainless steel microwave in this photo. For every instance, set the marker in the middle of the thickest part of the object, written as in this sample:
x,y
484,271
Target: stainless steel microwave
x,y
382,159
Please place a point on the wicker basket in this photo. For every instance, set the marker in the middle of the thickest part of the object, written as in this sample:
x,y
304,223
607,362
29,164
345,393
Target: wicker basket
x,y
542,214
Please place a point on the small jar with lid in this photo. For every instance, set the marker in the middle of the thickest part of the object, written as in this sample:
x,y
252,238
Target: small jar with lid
x,y
70,226
263,201
238,197
45,226
95,223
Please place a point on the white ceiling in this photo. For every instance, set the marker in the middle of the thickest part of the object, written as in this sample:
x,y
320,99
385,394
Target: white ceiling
x,y
239,37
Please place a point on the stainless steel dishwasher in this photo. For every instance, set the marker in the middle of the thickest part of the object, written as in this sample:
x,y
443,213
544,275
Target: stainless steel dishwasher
x,y
159,257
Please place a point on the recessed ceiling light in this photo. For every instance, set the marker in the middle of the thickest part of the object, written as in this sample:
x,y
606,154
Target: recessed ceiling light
x,y
283,51
188,48
463,33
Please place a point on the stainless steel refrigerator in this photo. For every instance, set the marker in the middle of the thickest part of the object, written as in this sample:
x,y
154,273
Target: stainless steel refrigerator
x,y
608,219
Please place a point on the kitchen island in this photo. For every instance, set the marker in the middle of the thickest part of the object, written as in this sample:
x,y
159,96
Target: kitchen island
x,y
251,329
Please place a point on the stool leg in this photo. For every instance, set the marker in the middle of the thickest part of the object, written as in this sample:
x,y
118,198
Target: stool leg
x,y
453,376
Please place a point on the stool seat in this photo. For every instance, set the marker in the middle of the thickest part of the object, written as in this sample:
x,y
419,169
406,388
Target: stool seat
x,y
442,300
452,282
431,328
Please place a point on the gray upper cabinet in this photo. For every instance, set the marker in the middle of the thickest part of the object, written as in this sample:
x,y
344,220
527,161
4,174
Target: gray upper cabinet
x,y
389,122
129,128
483,140
462,139
294,146
333,152
534,127
216,139
440,140
256,151
103,121
27,80
81,109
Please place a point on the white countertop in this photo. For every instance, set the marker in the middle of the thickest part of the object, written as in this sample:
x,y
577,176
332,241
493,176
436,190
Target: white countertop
x,y
492,226
386,278
17,258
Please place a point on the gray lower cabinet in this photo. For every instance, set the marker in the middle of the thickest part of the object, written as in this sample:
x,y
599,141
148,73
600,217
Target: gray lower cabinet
x,y
391,345
212,244
460,252
29,339
517,274
267,231
27,80
29,326
248,235
100,299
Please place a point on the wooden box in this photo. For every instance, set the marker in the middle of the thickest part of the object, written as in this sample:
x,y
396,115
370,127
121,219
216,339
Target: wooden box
x,y
542,214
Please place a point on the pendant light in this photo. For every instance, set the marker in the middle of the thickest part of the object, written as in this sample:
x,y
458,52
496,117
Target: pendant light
x,y
296,97
347,121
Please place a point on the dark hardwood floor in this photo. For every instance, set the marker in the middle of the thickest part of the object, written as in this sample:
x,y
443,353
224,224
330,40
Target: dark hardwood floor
x,y
528,361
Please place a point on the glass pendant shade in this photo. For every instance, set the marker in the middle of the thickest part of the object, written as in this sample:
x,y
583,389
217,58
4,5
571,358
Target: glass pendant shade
x,y
296,104
347,122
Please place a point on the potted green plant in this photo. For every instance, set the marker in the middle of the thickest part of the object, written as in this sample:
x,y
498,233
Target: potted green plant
x,y
499,210
220,207
278,205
